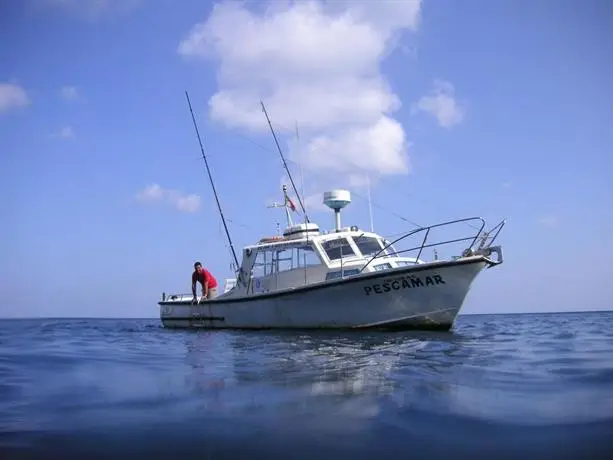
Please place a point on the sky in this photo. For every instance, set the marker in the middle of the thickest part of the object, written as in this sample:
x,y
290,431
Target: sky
x,y
448,109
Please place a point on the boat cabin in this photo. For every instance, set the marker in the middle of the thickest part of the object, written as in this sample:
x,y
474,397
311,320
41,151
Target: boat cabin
x,y
304,255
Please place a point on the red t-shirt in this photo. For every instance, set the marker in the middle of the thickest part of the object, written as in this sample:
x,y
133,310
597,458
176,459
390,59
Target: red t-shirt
x,y
203,277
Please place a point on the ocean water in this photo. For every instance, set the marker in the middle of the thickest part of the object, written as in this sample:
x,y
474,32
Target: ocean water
x,y
497,386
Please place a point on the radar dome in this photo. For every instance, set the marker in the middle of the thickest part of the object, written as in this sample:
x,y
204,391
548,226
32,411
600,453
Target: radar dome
x,y
337,200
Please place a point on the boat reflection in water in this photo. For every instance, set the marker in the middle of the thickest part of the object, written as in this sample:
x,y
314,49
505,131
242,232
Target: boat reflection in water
x,y
350,375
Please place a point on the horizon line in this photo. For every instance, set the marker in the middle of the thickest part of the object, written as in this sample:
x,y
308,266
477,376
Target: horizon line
x,y
157,317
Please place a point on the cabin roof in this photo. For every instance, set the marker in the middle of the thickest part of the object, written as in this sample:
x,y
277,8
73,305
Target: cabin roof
x,y
284,242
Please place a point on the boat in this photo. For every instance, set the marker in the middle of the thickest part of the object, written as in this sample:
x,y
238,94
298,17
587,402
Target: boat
x,y
344,278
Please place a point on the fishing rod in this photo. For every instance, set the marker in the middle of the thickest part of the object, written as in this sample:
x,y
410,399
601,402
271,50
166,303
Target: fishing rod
x,y
211,180
284,163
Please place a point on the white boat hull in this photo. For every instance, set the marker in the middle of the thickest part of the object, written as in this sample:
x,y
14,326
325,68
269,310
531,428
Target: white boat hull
x,y
425,296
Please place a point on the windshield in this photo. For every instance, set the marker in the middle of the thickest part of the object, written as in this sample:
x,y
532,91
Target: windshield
x,y
390,250
336,249
368,246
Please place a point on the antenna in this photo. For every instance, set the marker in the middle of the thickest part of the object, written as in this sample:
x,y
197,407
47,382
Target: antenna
x,y
303,194
300,164
211,180
337,200
372,227
284,163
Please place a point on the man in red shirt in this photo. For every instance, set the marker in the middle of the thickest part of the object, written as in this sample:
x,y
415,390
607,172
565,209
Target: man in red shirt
x,y
208,282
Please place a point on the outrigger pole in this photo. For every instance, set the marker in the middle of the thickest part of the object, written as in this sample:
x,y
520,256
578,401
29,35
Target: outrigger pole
x,y
284,163
212,184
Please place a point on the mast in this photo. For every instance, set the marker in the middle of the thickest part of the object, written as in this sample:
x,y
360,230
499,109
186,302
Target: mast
x,y
283,205
284,163
237,266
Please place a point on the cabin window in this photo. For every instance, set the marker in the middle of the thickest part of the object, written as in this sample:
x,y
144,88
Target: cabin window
x,y
269,262
306,256
384,266
368,246
337,274
263,264
336,249
284,260
297,257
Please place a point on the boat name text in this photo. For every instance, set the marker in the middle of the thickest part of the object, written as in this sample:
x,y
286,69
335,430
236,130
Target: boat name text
x,y
406,282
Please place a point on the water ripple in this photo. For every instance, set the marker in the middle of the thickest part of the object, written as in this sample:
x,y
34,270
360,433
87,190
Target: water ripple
x,y
120,379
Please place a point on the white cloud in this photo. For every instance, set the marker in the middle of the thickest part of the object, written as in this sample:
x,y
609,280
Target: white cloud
x,y
315,203
316,63
359,180
11,97
69,93
188,203
180,201
151,193
549,220
67,132
441,104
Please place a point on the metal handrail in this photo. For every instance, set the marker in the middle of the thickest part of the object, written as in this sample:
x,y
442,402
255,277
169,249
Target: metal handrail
x,y
499,226
427,230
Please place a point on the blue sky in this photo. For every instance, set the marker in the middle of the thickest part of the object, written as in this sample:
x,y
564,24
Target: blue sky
x,y
499,109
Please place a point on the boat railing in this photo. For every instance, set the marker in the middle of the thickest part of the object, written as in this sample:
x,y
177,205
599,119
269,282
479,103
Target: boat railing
x,y
486,236
473,237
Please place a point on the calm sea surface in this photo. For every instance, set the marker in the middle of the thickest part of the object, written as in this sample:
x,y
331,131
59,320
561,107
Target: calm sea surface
x,y
501,386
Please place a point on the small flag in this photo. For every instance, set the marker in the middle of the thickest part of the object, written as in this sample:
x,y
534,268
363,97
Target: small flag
x,y
291,204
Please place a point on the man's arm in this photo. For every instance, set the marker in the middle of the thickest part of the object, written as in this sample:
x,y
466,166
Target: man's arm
x,y
193,285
